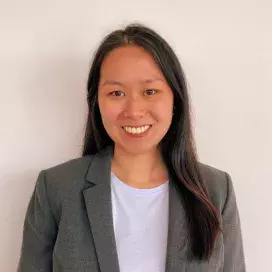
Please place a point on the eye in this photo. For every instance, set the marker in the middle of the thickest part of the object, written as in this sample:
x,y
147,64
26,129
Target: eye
x,y
117,93
150,92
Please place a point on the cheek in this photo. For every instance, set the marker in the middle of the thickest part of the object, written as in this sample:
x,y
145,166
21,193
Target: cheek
x,y
109,113
163,109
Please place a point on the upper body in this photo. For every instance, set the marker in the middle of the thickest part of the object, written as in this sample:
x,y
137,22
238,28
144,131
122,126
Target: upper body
x,y
87,214
69,222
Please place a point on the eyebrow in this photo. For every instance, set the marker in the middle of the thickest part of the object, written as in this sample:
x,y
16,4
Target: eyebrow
x,y
145,81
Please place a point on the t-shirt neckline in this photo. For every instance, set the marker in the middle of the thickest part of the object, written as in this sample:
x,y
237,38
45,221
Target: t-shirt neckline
x,y
138,191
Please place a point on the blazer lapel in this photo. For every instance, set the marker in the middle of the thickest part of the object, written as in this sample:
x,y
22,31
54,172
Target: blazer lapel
x,y
99,210
177,233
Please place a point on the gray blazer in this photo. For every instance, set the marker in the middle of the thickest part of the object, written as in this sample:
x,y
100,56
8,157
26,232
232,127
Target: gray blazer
x,y
69,228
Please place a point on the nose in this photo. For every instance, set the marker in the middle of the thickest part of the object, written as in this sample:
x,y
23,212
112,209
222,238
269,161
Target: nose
x,y
135,108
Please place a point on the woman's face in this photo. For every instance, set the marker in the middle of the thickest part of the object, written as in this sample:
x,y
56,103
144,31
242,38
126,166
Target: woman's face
x,y
135,101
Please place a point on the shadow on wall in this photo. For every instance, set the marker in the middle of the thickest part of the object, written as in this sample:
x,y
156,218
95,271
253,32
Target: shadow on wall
x,y
15,194
53,103
56,105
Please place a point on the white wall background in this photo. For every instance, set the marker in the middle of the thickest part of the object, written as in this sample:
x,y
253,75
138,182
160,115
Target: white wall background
x,y
225,49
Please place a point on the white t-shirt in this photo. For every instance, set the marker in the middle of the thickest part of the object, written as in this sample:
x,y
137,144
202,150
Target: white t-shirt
x,y
140,218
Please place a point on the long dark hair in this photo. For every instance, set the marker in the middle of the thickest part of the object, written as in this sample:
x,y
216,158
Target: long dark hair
x,y
177,147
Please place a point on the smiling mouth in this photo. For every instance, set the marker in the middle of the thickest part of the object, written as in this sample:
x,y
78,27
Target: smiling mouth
x,y
137,130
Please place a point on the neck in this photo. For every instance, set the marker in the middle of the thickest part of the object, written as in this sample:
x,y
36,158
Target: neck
x,y
144,170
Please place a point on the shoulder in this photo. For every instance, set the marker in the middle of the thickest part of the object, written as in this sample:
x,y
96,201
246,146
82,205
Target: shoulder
x,y
63,183
73,169
66,178
217,181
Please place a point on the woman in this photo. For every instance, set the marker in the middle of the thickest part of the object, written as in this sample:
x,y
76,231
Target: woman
x,y
138,199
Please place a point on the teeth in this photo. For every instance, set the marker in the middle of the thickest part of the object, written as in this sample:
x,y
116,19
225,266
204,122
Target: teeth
x,y
137,130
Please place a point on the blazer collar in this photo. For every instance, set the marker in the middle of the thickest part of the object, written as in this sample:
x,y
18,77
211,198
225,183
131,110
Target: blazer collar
x,y
99,210
100,167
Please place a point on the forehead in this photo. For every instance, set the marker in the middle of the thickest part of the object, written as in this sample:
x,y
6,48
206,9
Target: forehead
x,y
129,63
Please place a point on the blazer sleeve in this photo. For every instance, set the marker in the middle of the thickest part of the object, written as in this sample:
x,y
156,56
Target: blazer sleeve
x,y
233,245
39,232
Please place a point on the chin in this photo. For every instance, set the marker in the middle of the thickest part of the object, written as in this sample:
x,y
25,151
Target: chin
x,y
136,149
